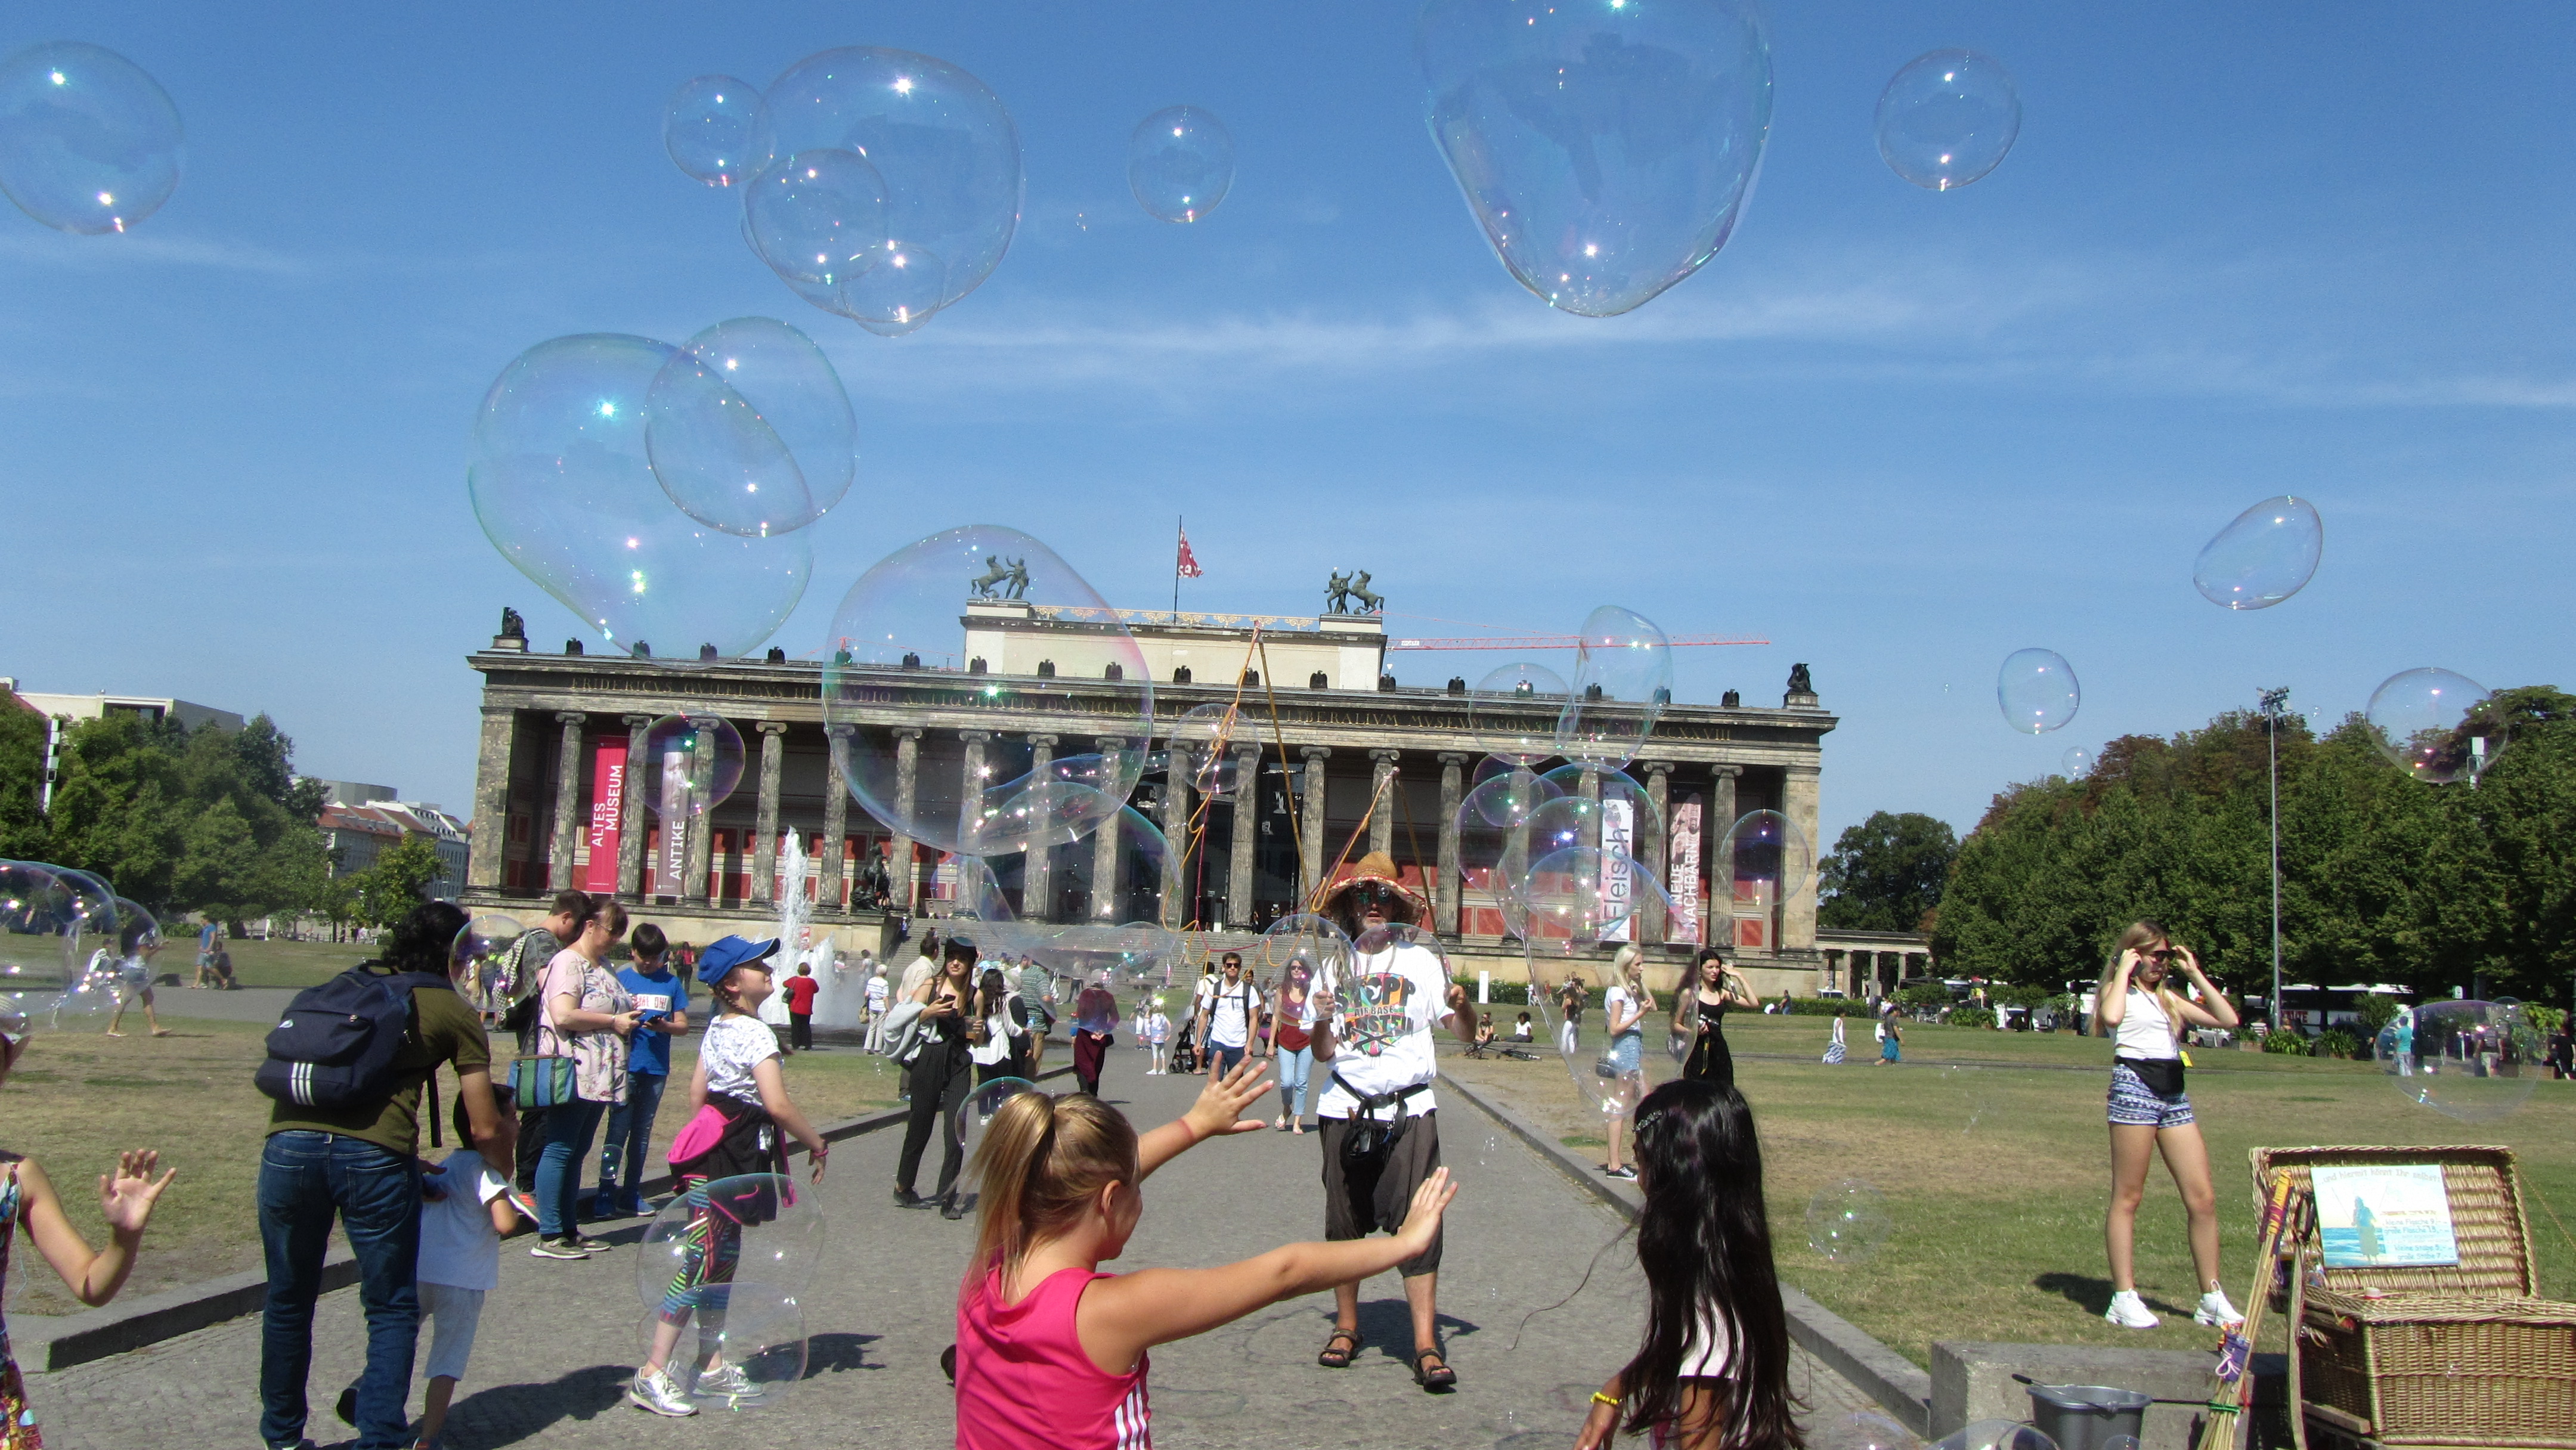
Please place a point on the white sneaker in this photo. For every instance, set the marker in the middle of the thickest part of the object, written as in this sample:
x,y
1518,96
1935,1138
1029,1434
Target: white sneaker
x,y
2130,1312
2215,1310
656,1392
727,1380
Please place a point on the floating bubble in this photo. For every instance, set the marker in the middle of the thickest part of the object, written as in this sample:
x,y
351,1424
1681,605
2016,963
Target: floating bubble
x,y
482,945
1607,808
1996,1435
2077,762
1623,679
749,430
904,615
1316,941
1570,978
563,484
38,928
88,930
1765,857
975,1114
1861,1430
1513,711
818,220
1094,904
1206,745
1180,162
2437,726
2268,554
88,142
2036,689
1607,153
742,1346
691,765
943,142
2471,1060
764,1227
904,283
1847,1221
1506,801
1581,893
712,128
1947,118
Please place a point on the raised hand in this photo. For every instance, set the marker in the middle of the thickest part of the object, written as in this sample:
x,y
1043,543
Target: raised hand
x,y
126,1196
1422,1216
1219,1109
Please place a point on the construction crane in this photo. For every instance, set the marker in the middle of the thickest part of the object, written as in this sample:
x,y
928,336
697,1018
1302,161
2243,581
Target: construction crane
x,y
1547,641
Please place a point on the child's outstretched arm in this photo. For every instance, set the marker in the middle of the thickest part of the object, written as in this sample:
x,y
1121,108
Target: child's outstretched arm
x,y
1219,1111
1122,1317
125,1197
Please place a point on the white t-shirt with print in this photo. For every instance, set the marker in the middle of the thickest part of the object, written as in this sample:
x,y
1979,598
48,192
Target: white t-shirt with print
x,y
732,1047
1707,1356
1616,1006
458,1245
1388,1004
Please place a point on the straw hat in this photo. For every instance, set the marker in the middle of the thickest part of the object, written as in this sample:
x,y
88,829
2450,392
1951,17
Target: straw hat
x,y
1408,908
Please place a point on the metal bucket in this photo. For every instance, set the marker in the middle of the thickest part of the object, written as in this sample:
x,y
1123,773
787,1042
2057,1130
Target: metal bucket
x,y
2087,1417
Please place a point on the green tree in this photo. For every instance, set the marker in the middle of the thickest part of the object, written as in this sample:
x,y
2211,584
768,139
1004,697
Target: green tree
x,y
397,882
1886,874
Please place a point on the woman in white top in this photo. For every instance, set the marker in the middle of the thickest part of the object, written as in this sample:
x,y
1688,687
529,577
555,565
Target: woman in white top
x,y
1000,1032
1626,1005
2149,1111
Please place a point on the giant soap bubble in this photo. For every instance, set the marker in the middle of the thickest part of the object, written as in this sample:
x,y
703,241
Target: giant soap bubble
x,y
38,930
711,126
1581,893
2036,690
1396,983
974,1115
943,142
1579,916
1947,118
1206,745
2470,1060
563,484
1598,807
1606,151
763,1226
691,765
1507,800
88,142
1180,163
749,429
902,286
818,219
2437,726
1513,711
1765,858
740,1346
1847,1221
958,607
1623,679
1079,903
2266,555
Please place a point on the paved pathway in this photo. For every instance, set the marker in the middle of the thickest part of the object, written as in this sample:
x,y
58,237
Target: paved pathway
x,y
558,1339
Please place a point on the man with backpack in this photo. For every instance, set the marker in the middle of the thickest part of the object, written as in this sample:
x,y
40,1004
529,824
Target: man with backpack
x,y
1225,1016
348,1064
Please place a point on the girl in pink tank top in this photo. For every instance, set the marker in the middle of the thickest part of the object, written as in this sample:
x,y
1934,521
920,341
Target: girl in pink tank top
x,y
1051,1353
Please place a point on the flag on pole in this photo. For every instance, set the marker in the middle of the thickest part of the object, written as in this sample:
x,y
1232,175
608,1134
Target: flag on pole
x,y
1188,565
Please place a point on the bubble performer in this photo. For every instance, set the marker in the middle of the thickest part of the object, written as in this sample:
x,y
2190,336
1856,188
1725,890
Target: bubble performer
x,y
2137,1006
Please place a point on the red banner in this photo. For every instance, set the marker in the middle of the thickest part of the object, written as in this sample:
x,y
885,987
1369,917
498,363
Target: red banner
x,y
607,812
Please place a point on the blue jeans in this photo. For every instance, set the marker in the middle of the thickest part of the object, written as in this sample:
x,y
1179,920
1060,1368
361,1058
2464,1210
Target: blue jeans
x,y
630,1138
1294,1068
304,1179
1223,1059
568,1129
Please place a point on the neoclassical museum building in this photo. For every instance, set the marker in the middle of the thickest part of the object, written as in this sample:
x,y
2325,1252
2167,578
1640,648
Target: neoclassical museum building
x,y
1330,730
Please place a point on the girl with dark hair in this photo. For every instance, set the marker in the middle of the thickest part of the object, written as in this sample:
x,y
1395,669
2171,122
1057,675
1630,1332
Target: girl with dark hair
x,y
998,1030
1699,1016
1713,1370
938,1079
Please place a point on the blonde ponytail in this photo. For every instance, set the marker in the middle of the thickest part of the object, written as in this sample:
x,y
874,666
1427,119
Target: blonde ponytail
x,y
1044,1159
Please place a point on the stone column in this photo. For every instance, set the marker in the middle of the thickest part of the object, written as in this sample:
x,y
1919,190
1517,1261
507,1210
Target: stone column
x,y
1798,801
1712,846
630,816
568,811
1382,820
491,798
907,786
694,886
1310,864
764,853
1516,862
1659,791
1180,866
1105,899
1444,891
1239,907
834,893
970,785
1591,793
1037,881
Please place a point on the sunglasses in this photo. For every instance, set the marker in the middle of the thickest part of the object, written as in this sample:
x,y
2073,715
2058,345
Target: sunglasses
x,y
1370,892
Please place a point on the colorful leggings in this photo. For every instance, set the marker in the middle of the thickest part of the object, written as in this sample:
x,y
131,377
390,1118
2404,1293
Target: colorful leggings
x,y
709,1252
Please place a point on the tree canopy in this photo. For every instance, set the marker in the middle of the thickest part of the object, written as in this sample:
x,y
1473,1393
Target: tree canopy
x,y
1886,874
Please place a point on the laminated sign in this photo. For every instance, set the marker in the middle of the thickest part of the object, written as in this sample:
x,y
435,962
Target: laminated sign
x,y
2380,1215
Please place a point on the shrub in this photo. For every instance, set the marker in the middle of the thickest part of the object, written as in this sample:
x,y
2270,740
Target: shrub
x,y
2287,1044
2335,1042
2375,1010
1929,994
1831,1007
2543,1020
1970,1017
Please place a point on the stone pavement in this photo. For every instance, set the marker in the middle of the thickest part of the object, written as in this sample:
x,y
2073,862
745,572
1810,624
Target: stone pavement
x,y
558,1339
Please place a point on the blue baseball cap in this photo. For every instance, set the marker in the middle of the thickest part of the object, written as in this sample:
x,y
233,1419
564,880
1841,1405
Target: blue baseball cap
x,y
719,960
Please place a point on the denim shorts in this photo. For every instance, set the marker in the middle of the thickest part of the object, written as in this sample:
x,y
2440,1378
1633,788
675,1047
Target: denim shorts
x,y
1627,1052
2136,1105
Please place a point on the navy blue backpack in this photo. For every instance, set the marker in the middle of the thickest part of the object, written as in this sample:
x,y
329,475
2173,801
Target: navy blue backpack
x,y
336,1044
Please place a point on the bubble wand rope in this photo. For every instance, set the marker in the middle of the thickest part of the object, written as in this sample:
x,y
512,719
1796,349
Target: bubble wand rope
x,y
1194,836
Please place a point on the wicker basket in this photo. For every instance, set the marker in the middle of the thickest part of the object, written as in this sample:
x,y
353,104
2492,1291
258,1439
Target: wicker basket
x,y
2447,1355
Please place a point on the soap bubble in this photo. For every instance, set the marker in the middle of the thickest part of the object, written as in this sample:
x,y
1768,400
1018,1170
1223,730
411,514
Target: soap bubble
x,y
1861,1430
1506,801
975,1114
749,430
1513,711
1396,982
563,485
1766,857
1317,941
2470,1060
943,142
1847,1221
1204,745
2268,554
1578,892
1996,1435
1606,807
482,946
742,1347
765,1227
902,285
2077,762
691,765
37,930
1623,679
1606,153
711,126
1611,1080
1947,118
817,219
86,930
1080,904
2437,726
1180,162
88,142
903,615
2036,689
138,935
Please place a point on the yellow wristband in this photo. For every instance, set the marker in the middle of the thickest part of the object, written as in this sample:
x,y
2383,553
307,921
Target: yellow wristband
x,y
1599,1398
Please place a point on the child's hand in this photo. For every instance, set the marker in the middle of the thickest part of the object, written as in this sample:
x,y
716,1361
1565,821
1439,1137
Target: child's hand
x,y
1598,1427
127,1195
1422,1218
1219,1109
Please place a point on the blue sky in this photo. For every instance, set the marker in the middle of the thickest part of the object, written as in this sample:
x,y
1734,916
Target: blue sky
x,y
2238,251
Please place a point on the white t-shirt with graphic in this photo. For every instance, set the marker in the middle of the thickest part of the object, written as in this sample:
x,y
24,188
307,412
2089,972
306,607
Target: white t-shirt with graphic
x,y
458,1245
1388,1005
732,1047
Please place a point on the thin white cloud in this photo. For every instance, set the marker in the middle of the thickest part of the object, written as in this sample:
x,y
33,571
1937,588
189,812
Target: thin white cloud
x,y
150,249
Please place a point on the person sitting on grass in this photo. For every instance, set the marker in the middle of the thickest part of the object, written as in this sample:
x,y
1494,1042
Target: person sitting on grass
x,y
1521,1029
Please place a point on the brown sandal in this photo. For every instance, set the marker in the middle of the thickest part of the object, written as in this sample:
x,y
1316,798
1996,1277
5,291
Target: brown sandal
x,y
1335,1357
1434,1380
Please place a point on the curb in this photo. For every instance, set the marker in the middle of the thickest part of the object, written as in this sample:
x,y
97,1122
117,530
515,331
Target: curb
x,y
1899,1386
77,1339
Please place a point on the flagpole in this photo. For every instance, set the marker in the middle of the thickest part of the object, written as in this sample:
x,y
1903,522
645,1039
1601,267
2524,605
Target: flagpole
x,y
1180,530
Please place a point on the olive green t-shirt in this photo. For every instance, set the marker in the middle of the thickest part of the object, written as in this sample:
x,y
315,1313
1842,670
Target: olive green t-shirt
x,y
448,1031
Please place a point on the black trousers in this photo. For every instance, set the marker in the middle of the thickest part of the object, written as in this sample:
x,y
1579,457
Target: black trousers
x,y
532,1143
800,1031
939,1088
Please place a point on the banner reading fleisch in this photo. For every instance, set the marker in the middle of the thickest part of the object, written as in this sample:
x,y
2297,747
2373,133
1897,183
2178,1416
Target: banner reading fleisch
x,y
607,812
1618,890
1684,834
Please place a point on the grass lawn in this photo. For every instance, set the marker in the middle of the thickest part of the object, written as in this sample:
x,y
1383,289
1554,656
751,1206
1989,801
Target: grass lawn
x,y
1990,1151
75,1099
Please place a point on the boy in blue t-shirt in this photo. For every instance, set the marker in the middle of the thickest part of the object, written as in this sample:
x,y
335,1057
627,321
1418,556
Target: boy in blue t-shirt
x,y
662,997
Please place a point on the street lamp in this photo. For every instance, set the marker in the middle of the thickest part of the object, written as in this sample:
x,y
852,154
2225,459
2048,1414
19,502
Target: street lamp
x,y
2272,701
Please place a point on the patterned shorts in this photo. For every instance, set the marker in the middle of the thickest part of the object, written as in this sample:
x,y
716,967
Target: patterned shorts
x,y
2136,1105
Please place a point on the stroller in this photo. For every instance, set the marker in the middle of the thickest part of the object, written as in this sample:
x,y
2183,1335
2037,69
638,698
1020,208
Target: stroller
x,y
1185,1054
